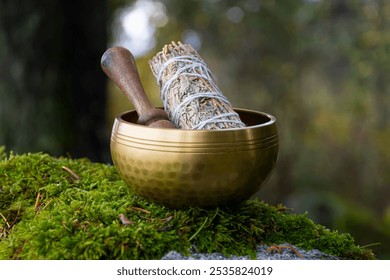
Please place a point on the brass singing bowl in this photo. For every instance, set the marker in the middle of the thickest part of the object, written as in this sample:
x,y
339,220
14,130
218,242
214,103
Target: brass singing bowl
x,y
195,168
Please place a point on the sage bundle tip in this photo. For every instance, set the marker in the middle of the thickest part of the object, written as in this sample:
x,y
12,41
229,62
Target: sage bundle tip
x,y
189,92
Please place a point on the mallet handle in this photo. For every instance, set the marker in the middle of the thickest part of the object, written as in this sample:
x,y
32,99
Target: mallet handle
x,y
119,65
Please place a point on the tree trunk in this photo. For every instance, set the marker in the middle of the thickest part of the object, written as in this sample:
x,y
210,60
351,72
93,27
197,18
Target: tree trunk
x,y
52,91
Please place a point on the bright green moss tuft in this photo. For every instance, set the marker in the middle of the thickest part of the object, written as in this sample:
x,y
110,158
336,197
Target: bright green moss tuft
x,y
60,208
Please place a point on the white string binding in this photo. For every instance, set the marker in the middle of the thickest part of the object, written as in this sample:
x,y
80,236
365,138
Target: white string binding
x,y
196,68
217,119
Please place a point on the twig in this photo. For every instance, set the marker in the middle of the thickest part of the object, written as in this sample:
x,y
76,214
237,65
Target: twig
x,y
166,228
166,220
16,218
215,215
371,244
199,229
125,220
295,251
73,175
139,209
5,220
3,232
46,204
279,249
37,202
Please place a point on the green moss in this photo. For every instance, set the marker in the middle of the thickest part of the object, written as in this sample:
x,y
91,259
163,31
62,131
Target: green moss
x,y
60,208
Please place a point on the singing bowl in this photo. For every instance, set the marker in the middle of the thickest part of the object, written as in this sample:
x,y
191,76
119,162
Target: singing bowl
x,y
195,168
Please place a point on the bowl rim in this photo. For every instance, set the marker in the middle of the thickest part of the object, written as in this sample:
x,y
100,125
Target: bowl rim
x,y
271,121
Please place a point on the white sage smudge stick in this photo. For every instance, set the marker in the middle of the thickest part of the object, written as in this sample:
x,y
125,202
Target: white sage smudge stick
x,y
188,91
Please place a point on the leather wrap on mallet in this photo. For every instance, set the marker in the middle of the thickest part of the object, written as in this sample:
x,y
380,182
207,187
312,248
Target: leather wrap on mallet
x,y
119,65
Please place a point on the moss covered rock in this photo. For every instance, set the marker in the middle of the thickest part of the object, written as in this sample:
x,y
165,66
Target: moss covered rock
x,y
61,208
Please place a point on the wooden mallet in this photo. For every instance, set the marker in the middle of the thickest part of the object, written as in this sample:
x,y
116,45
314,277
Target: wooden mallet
x,y
119,65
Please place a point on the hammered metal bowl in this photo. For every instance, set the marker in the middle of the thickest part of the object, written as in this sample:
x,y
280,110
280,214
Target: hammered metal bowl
x,y
200,168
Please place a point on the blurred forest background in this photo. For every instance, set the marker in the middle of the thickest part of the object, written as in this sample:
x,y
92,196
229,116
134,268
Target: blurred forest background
x,y
320,66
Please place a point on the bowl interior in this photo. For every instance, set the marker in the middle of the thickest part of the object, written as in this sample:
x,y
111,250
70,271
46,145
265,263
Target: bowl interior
x,y
248,117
